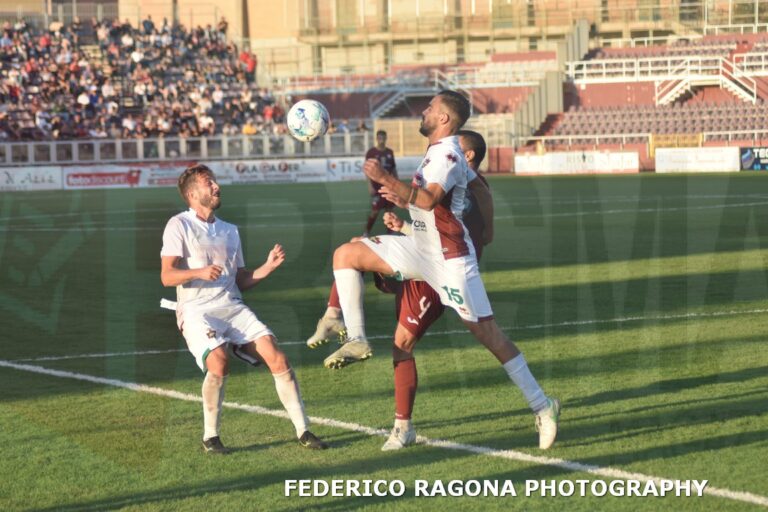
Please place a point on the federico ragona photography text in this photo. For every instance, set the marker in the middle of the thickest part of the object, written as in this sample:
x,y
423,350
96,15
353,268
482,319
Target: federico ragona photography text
x,y
495,488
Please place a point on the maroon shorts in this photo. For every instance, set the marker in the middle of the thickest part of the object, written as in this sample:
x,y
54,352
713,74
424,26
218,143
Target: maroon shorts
x,y
418,306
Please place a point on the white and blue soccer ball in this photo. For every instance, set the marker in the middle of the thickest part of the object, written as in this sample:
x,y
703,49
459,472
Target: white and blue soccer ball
x,y
308,120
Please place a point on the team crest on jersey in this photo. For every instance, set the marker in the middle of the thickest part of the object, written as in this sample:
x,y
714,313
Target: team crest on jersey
x,y
375,240
451,157
211,334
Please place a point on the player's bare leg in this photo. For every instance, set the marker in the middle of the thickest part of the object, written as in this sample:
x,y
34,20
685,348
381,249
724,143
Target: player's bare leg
x,y
546,409
287,387
406,383
213,397
349,261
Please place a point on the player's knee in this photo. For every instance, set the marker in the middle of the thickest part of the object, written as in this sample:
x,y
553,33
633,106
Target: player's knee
x,y
341,256
277,362
217,363
345,256
403,346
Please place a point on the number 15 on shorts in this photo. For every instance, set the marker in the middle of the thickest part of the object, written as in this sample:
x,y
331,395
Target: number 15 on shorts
x,y
453,295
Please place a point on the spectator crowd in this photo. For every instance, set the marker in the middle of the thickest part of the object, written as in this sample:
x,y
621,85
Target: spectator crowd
x,y
154,80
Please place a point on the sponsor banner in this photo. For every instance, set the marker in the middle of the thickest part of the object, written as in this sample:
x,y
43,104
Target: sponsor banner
x,y
578,162
30,178
106,176
754,159
308,170
717,159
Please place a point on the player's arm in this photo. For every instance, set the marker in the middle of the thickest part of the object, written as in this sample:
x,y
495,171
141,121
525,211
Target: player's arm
x,y
171,275
400,193
247,279
484,201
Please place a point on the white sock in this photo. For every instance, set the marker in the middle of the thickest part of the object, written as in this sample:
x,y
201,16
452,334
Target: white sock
x,y
518,371
213,397
288,391
332,313
349,283
403,425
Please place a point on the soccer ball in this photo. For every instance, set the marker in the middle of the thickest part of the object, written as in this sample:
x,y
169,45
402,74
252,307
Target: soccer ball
x,y
308,120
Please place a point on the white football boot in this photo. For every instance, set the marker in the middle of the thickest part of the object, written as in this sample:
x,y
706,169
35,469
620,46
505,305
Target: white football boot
x,y
400,438
546,423
326,329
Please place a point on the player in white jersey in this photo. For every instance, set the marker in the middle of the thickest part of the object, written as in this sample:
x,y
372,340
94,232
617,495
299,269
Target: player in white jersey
x,y
440,252
203,258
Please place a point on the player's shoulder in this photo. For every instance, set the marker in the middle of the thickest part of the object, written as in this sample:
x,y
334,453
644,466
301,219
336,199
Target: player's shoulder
x,y
178,220
447,151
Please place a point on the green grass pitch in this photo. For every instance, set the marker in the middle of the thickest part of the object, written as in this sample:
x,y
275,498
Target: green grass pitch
x,y
640,301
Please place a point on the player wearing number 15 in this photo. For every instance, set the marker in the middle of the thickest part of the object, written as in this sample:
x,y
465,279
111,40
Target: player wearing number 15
x,y
439,252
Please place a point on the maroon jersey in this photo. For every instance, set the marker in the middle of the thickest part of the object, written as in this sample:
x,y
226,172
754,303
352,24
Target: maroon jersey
x,y
386,159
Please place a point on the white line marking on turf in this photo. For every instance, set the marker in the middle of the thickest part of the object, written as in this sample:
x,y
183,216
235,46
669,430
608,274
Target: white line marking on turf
x,y
625,319
355,427
92,227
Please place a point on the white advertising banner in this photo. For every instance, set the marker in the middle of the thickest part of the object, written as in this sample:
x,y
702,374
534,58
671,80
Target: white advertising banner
x,y
30,178
719,159
310,170
578,162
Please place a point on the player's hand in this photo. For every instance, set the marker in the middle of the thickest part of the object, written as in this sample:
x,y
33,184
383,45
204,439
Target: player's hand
x,y
390,196
393,222
276,257
372,169
209,273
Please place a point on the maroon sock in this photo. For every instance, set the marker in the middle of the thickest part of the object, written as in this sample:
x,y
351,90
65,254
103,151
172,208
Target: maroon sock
x,y
333,298
406,382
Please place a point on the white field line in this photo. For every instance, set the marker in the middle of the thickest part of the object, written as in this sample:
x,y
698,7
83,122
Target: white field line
x,y
355,427
541,200
571,323
91,227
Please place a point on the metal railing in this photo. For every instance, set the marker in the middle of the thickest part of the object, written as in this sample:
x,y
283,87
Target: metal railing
x,y
597,140
643,69
100,151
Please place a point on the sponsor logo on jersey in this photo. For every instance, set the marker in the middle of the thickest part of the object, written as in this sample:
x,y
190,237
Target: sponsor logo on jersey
x,y
419,225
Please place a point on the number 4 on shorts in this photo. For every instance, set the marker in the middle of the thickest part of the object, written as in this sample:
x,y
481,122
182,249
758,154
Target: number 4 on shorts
x,y
454,295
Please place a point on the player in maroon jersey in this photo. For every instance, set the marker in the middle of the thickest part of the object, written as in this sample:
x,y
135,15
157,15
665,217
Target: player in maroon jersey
x,y
386,159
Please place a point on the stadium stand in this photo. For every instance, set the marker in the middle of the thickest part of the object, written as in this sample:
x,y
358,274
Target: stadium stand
x,y
138,82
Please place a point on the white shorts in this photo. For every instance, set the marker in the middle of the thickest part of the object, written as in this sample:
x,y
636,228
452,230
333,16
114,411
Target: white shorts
x,y
456,280
204,331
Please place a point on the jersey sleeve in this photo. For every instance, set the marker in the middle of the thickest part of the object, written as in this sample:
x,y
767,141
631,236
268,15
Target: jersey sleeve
x,y
173,239
443,168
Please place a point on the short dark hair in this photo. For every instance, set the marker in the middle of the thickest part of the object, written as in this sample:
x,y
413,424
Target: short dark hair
x,y
381,132
476,143
189,177
457,104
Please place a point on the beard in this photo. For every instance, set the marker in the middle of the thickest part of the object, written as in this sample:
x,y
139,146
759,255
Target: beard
x,y
425,129
212,202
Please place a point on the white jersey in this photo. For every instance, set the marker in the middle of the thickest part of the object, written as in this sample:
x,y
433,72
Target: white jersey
x,y
441,231
200,244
